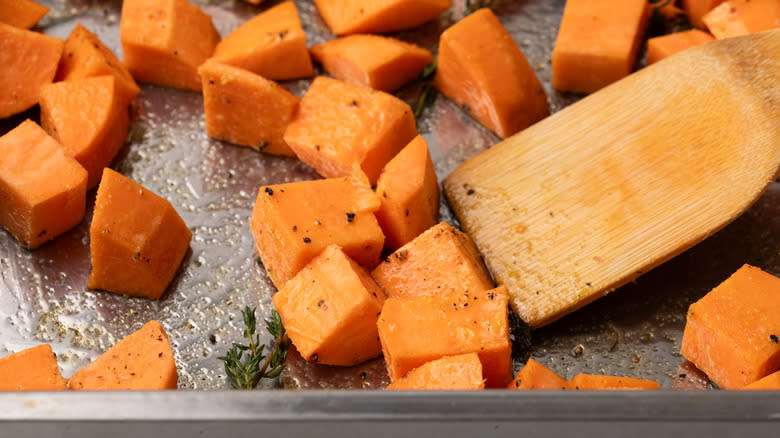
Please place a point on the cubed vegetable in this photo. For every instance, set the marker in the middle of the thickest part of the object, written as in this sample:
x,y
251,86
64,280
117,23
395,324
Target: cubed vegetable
x,y
34,369
43,188
460,372
732,332
330,309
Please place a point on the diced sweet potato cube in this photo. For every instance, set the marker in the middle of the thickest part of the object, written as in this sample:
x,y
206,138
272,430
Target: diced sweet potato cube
x,y
534,375
28,60
378,16
417,330
596,382
481,69
732,332
597,43
339,124
34,369
409,191
89,117
43,189
165,41
661,47
137,239
734,18
21,13
460,372
441,259
272,44
382,63
246,109
770,382
85,56
142,360
330,309
292,223
697,9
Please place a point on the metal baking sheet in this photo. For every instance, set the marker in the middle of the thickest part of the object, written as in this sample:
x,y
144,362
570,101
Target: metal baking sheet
x,y
635,331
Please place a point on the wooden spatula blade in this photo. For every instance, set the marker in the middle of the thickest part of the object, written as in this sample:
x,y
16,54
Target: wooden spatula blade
x,y
614,185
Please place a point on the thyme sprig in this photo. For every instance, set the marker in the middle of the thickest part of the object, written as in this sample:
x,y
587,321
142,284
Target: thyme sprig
x,y
246,365
428,92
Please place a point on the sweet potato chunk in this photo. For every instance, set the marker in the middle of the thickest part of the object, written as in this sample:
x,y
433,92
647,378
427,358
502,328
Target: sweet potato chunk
x,y
697,9
339,124
442,259
43,190
85,56
417,330
378,16
661,47
28,60
770,382
137,239
246,109
34,369
595,382
597,43
21,13
732,332
165,41
292,223
142,360
272,44
330,308
89,117
734,18
481,69
460,372
381,63
409,191
534,375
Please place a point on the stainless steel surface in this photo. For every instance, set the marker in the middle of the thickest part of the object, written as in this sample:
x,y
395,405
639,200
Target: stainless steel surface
x,y
635,331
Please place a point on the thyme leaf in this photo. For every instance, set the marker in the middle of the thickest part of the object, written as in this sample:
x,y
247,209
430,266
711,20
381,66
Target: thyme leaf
x,y
246,365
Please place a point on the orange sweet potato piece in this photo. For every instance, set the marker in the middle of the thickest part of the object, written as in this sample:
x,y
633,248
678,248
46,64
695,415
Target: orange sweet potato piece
x,y
732,332
43,190
409,191
770,382
660,47
595,382
460,372
34,369
28,60
21,13
378,16
272,44
265,108
597,43
417,330
85,56
382,63
534,375
481,69
734,18
339,124
441,259
142,360
137,239
292,223
165,41
89,117
697,9
330,308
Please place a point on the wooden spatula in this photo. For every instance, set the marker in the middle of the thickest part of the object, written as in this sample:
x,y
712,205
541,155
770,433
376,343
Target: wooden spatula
x,y
614,185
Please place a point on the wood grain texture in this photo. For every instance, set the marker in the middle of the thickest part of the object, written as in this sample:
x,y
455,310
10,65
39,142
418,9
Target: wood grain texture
x,y
614,185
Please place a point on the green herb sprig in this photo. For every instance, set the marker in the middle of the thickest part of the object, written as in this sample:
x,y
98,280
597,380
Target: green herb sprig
x,y
246,365
428,92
